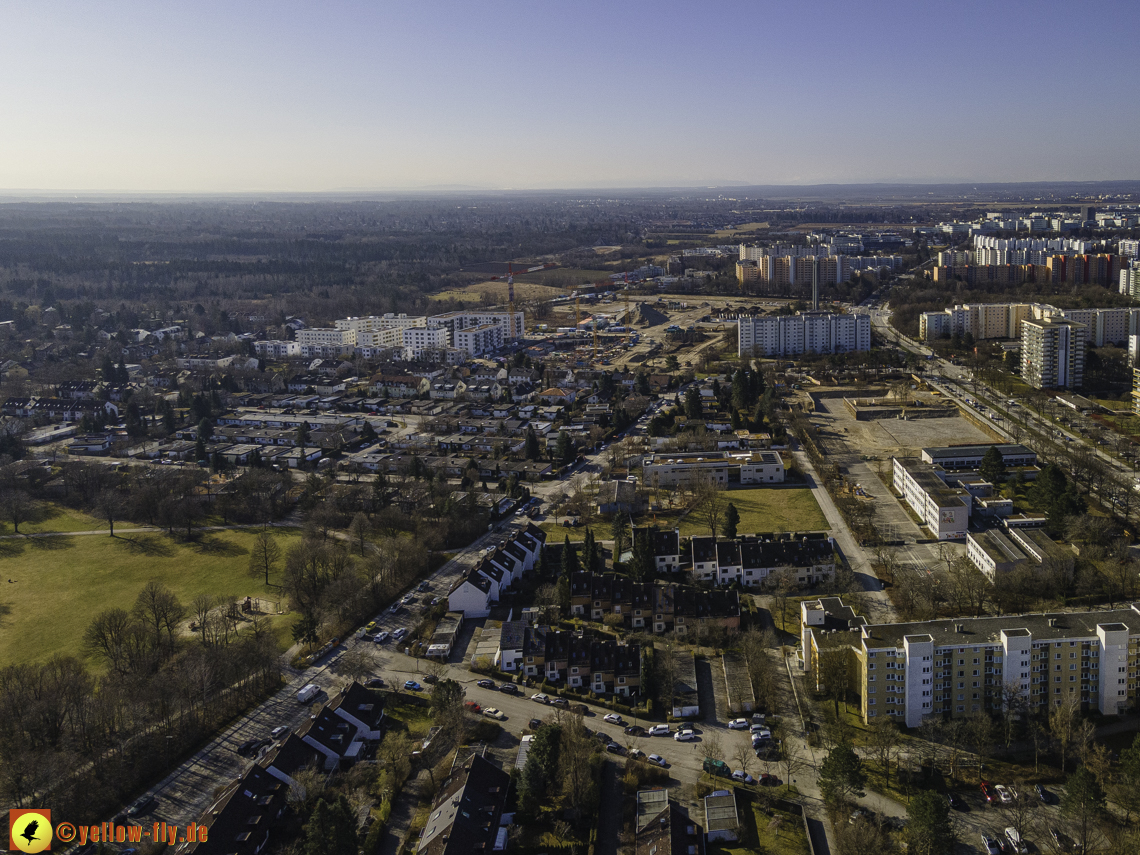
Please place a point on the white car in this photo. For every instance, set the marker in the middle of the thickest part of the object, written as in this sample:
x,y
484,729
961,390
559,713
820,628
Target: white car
x,y
399,634
657,760
683,735
741,775
990,845
381,637
491,712
738,724
658,730
541,698
1003,794
1015,840
612,718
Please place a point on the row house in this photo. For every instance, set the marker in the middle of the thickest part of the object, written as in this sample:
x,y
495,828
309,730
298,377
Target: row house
x,y
661,607
585,661
664,546
750,560
473,593
58,409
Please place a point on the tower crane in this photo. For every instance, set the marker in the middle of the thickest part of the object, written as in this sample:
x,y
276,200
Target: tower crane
x,y
511,296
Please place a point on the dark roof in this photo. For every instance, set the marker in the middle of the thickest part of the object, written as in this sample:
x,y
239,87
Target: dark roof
x,y
671,832
704,549
292,755
465,818
241,820
366,705
331,731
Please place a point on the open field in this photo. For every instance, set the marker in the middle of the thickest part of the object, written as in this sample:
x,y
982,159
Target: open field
x,y
498,290
761,509
765,509
51,587
736,231
58,518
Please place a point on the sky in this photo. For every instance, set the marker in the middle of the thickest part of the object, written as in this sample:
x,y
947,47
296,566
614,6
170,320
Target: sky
x,y
259,97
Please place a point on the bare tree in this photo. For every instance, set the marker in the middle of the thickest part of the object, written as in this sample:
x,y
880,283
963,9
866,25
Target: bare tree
x,y
159,609
706,501
885,741
792,760
17,507
358,530
1063,719
711,746
743,758
264,555
110,507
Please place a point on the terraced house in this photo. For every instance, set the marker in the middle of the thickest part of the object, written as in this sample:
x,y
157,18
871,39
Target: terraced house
x,y
961,666
658,607
751,559
594,662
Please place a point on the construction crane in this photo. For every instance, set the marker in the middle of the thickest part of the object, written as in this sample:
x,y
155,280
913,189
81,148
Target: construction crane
x,y
511,295
628,313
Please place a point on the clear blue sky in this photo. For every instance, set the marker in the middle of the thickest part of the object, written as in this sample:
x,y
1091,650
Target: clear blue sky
x,y
326,96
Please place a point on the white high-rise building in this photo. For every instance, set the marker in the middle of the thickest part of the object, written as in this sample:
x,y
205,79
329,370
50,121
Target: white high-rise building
x,y
811,332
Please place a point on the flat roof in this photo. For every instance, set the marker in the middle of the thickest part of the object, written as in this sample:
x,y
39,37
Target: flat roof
x,y
720,811
1006,448
997,546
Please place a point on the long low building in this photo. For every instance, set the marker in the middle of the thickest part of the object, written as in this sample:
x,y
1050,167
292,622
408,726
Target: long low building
x,y
750,560
994,552
809,332
970,456
723,467
943,509
962,666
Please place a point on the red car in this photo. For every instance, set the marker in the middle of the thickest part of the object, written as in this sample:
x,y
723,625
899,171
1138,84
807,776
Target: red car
x,y
985,785
471,705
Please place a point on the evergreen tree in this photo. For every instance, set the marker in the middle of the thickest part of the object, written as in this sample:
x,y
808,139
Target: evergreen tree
x,y
569,558
694,410
564,448
993,466
739,391
331,829
928,829
532,451
731,521
841,775
617,534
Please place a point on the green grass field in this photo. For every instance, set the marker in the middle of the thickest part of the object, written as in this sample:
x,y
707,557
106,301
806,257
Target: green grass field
x,y
59,583
58,518
761,509
765,509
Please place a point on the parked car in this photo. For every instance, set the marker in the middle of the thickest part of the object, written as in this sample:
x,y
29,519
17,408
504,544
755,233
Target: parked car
x,y
614,748
246,748
767,780
141,805
612,718
492,712
659,730
1003,794
1042,793
423,586
412,686
395,608
381,637
741,775
955,802
399,634
559,702
635,730
371,627
683,735
509,688
278,732
758,718
308,693
486,684
636,754
990,845
658,760
1015,840
472,706
738,724
541,698
535,723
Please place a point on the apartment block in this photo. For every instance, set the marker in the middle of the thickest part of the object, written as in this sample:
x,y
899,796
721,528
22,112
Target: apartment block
x,y
724,467
810,332
962,666
511,325
943,509
479,339
415,340
1053,353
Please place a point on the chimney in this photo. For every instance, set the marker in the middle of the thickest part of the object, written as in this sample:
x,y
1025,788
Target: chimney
x,y
958,627
1052,621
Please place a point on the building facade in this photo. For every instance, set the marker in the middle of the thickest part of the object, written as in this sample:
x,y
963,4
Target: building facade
x,y
811,332
1053,354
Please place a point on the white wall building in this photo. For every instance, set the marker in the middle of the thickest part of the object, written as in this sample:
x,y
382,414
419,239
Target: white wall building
x,y
943,509
811,332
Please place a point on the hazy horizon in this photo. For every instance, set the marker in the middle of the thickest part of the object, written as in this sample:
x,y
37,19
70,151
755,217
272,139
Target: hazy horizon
x,y
358,98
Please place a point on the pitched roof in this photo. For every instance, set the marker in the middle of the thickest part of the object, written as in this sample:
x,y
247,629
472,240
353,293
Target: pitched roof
x,y
465,818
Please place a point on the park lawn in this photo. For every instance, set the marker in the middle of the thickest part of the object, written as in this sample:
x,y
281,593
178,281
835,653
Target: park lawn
x,y
59,583
52,517
765,509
